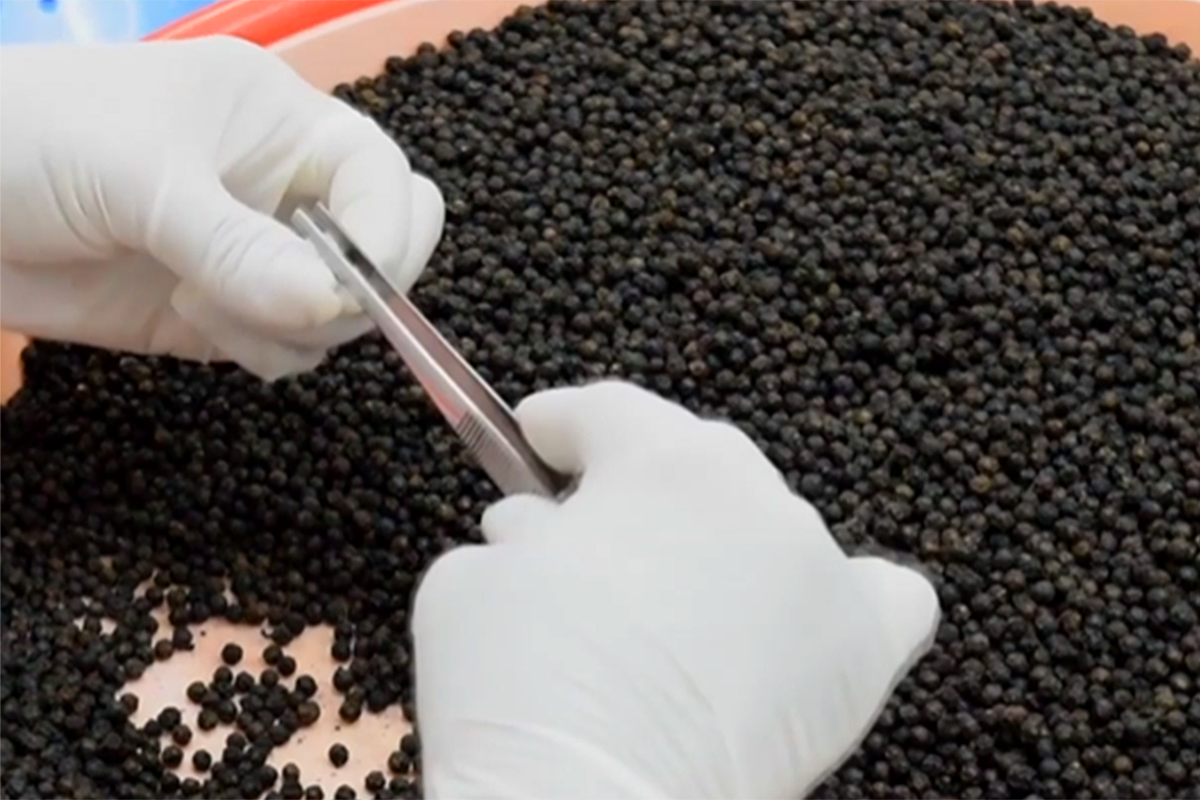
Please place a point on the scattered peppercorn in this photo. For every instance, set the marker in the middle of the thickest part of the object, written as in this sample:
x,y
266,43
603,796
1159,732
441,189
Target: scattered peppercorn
x,y
374,781
343,679
129,702
305,687
181,734
308,713
231,654
340,650
169,718
338,755
350,710
201,760
181,639
172,756
244,683
271,654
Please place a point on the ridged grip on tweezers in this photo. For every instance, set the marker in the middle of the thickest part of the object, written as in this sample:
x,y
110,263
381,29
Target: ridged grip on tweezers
x,y
481,419
496,461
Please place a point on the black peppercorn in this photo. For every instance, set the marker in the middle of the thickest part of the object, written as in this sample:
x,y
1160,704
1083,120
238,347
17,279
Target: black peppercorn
x,y
410,745
129,703
344,792
169,718
350,710
170,783
201,760
374,781
244,683
196,691
231,654
181,639
340,650
226,711
343,679
286,666
207,719
172,756
305,686
307,713
338,755
271,654
181,734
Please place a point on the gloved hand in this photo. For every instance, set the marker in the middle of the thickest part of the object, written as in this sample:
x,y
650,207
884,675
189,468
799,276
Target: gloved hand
x,y
682,626
141,188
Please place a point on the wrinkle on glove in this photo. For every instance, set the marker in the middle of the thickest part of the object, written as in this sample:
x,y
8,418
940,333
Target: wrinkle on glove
x,y
296,351
681,626
149,213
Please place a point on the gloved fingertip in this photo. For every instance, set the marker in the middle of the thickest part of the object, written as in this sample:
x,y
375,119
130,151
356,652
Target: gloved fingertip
x,y
349,306
906,598
264,358
300,296
553,424
520,518
316,303
370,189
249,263
571,428
428,222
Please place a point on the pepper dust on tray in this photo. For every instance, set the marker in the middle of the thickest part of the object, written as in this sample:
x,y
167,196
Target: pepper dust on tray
x,y
941,260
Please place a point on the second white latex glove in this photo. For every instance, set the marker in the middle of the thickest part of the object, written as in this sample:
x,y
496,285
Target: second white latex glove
x,y
682,626
142,189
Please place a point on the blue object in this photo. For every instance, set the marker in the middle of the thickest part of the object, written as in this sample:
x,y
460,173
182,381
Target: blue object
x,y
81,21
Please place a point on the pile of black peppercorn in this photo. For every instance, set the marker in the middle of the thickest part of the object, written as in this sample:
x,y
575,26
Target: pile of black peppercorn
x,y
940,260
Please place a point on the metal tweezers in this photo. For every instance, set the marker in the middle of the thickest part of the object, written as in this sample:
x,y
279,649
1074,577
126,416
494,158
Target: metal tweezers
x,y
481,419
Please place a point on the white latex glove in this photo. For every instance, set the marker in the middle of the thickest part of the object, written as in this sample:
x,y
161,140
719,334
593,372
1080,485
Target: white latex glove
x,y
140,191
682,626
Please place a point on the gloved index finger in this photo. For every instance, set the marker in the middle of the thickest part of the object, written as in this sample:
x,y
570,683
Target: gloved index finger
x,y
577,429
396,217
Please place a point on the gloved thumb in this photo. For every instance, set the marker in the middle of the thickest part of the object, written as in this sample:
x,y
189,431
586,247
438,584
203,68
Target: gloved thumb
x,y
267,358
907,605
249,263
576,428
520,518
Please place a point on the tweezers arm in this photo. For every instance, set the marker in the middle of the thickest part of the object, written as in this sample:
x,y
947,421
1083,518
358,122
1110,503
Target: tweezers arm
x,y
466,401
411,338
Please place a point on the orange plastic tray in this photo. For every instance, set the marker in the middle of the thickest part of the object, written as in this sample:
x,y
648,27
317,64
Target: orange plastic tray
x,y
329,41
